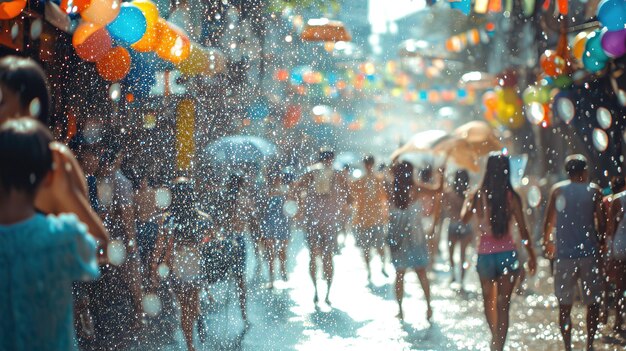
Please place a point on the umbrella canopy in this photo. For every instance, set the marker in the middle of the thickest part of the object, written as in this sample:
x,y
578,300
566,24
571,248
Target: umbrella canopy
x,y
464,146
241,149
421,142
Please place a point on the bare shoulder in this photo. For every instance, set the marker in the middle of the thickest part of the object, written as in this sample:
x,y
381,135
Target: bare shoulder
x,y
557,186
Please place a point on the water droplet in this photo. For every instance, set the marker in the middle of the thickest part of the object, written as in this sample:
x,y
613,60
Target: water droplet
x,y
600,139
163,197
560,203
536,113
151,304
534,196
565,109
34,108
116,252
603,115
35,29
115,92
290,208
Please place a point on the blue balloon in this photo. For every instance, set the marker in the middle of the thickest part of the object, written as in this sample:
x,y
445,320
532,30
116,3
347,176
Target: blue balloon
x,y
129,26
593,47
464,6
612,14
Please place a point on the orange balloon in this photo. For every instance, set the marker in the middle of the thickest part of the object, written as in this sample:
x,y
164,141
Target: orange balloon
x,y
578,45
114,66
76,5
91,42
149,40
551,63
10,9
490,100
174,45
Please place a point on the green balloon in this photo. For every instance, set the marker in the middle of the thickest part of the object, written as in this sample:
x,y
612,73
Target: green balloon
x,y
563,81
530,95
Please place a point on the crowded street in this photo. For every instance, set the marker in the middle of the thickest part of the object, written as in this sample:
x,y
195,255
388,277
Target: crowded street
x,y
312,175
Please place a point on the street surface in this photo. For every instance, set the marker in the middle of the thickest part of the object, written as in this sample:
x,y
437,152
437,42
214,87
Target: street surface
x,y
362,315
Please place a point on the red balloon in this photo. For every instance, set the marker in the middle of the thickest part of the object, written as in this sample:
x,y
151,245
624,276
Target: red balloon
x,y
10,9
91,42
115,65
552,64
292,116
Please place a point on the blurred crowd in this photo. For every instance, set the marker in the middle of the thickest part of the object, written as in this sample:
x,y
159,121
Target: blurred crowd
x,y
134,238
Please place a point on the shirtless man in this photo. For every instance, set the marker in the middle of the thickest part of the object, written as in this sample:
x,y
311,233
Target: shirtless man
x,y
146,212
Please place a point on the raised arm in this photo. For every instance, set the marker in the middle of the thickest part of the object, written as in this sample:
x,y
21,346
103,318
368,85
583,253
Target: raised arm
x,y
549,223
518,214
469,206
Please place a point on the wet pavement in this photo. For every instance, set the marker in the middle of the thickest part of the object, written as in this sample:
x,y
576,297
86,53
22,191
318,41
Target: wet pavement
x,y
362,315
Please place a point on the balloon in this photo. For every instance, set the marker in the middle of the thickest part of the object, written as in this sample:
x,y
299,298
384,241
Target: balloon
x,y
465,6
73,6
578,45
593,65
151,13
114,66
551,63
490,100
196,63
507,78
509,111
101,12
612,14
563,81
530,95
130,25
174,45
593,47
614,43
91,41
11,9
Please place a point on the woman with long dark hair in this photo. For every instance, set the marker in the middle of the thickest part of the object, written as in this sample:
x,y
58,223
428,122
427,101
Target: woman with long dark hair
x,y
407,236
498,207
182,231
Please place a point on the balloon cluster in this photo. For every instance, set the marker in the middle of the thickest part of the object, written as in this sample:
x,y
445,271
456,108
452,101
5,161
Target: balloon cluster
x,y
109,28
537,101
605,43
502,105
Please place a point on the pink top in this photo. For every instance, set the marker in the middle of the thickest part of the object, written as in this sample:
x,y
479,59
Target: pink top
x,y
489,244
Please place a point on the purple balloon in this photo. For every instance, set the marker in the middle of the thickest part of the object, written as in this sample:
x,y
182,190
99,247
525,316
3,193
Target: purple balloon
x,y
614,43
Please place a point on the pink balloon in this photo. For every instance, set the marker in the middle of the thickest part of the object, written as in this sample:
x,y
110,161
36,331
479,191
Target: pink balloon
x,y
614,43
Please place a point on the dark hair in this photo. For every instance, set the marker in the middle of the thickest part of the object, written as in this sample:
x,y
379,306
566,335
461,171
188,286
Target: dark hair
x,y
575,165
617,184
496,188
25,156
326,155
461,182
27,79
369,160
403,184
426,174
228,205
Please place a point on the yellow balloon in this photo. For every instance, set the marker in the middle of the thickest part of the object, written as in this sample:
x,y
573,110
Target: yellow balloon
x,y
578,45
196,63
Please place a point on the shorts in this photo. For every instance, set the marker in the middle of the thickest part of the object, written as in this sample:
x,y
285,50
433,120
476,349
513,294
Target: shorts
x,y
458,230
370,237
322,237
567,273
495,265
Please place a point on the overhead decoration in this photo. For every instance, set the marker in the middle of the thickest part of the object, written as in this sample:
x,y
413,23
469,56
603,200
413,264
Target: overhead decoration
x,y
174,45
151,14
473,37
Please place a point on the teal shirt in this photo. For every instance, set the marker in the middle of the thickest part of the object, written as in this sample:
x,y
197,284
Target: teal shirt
x,y
40,258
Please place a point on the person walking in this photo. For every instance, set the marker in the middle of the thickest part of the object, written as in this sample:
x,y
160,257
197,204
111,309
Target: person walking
x,y
574,213
275,225
616,260
182,231
459,233
326,195
407,237
371,214
40,256
498,207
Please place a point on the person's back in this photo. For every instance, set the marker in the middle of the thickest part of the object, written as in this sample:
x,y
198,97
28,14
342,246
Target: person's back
x,y
40,258
576,234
